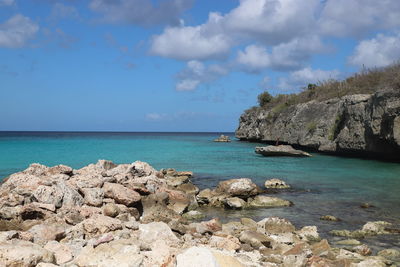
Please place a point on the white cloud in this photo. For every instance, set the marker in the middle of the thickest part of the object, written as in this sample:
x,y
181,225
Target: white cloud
x,y
272,21
141,12
16,31
193,43
357,17
197,73
7,2
380,51
286,56
300,78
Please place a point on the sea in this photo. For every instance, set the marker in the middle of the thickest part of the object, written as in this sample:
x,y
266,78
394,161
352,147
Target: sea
x,y
321,185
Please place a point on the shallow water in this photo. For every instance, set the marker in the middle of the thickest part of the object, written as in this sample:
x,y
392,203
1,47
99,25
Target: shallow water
x,y
321,185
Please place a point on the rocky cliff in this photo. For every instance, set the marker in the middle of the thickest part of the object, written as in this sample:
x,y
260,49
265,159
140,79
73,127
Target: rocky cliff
x,y
362,125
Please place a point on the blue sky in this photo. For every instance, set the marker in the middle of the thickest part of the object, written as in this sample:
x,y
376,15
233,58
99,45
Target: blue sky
x,y
176,65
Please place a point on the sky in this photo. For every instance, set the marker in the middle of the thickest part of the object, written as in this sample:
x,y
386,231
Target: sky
x,y
177,65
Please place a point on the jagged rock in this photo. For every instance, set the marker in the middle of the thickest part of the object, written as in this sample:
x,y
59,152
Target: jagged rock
x,y
329,218
121,194
234,203
276,184
62,253
204,196
268,202
309,233
355,123
321,248
111,210
93,196
378,227
222,138
390,254
249,223
175,181
23,253
196,257
210,226
255,239
242,187
42,233
122,253
369,263
49,195
188,188
100,224
228,243
155,208
363,250
149,233
275,225
281,150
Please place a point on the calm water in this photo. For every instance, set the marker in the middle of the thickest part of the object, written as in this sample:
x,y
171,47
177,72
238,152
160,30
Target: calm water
x,y
322,184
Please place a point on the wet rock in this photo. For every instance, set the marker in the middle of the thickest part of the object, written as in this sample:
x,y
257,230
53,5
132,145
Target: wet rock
x,y
193,215
281,150
121,194
111,210
390,254
268,202
363,250
149,233
349,242
366,205
93,196
276,225
242,187
329,218
276,184
100,224
223,138
377,227
122,253
188,188
62,253
255,239
204,196
23,253
309,233
235,203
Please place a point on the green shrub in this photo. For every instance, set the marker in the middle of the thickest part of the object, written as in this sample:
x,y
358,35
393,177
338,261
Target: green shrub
x,y
264,98
312,126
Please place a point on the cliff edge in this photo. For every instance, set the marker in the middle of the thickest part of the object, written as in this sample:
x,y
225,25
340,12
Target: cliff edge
x,y
360,125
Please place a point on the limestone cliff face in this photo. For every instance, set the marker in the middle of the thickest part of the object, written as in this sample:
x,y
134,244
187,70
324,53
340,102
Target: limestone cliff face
x,y
354,124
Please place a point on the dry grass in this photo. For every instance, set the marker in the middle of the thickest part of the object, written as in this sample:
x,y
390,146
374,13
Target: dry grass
x,y
366,82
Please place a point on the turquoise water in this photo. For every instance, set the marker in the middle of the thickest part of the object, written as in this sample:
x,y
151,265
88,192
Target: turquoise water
x,y
321,184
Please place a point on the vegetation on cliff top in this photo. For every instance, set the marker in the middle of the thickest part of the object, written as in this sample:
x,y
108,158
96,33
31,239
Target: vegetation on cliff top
x,y
366,82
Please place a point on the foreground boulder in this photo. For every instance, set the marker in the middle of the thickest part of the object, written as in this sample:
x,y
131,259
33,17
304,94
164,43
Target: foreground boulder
x,y
281,150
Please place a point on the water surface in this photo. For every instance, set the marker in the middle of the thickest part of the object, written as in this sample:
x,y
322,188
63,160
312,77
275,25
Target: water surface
x,y
321,185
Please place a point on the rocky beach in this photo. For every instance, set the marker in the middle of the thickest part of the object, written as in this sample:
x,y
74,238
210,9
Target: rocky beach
x,y
107,214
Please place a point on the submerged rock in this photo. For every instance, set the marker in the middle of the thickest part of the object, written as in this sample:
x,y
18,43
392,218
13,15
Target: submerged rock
x,y
276,184
268,202
222,138
281,150
329,218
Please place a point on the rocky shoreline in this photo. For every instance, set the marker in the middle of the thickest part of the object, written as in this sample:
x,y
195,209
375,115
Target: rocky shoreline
x,y
106,214
363,125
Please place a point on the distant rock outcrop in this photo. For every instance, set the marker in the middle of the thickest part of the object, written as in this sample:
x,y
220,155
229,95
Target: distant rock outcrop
x,y
222,138
362,125
281,150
